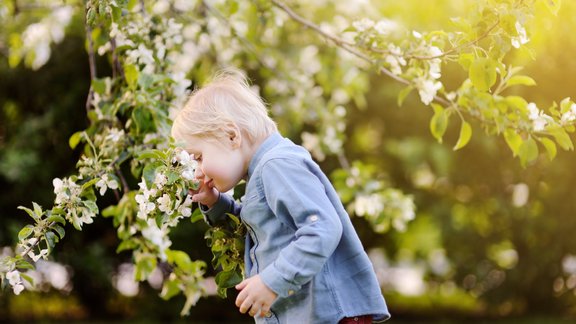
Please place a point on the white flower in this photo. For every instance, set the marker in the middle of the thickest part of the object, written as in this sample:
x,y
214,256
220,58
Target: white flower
x,y
160,180
368,205
570,115
395,59
188,174
157,237
115,134
385,26
36,257
13,277
165,204
427,89
416,34
539,119
18,289
363,24
185,209
104,183
144,206
522,38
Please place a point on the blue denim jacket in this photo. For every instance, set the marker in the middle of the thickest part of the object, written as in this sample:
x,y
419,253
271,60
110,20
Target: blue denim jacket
x,y
301,240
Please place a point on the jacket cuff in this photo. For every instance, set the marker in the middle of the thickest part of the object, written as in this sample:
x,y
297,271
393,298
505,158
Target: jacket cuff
x,y
274,280
223,205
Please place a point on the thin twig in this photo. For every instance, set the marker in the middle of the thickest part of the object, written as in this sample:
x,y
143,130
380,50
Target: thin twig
x,y
337,41
346,46
91,63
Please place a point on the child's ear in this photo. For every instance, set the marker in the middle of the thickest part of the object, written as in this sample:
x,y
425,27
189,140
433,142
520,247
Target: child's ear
x,y
234,135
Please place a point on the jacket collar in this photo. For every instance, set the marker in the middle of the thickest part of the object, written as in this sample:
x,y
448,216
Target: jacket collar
x,y
266,146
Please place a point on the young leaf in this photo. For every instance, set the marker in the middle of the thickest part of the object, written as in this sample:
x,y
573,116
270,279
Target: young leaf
x,y
439,122
25,232
60,230
520,79
550,147
465,135
131,73
56,219
514,141
528,151
403,94
170,288
29,212
37,209
75,139
562,138
482,73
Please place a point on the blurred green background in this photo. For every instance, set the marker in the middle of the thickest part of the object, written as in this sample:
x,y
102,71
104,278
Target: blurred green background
x,y
491,241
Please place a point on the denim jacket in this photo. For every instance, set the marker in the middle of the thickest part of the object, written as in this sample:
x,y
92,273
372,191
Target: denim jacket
x,y
301,240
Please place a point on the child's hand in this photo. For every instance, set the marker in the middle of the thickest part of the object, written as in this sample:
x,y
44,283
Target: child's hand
x,y
254,296
206,194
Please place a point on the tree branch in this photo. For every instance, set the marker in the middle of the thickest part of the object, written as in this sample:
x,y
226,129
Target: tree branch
x,y
344,45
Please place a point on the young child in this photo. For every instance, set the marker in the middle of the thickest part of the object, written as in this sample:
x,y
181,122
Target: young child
x,y
304,260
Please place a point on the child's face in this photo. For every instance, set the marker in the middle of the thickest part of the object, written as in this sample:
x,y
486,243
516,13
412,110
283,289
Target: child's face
x,y
220,162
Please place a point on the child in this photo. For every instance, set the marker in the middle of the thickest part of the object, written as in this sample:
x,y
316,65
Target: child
x,y
304,260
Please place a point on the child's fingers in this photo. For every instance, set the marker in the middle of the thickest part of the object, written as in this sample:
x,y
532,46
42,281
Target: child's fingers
x,y
241,285
245,306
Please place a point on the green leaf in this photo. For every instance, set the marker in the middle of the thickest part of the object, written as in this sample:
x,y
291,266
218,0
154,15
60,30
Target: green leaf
x,y
91,205
56,219
180,258
465,60
550,147
522,80
562,138
90,183
28,211
27,278
465,135
131,74
227,279
152,154
37,209
528,151
439,122
514,141
25,232
170,288
482,73
24,265
144,267
75,139
60,230
126,245
403,94
51,240
99,86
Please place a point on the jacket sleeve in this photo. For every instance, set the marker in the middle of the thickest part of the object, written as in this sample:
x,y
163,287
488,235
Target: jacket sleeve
x,y
298,197
224,205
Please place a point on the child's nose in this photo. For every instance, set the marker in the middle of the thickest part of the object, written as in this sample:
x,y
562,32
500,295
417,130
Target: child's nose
x,y
198,173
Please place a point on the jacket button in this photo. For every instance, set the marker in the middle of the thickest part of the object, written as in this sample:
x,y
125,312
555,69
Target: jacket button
x,y
290,292
268,315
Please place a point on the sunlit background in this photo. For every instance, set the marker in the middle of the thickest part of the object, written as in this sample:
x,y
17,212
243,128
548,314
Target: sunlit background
x,y
490,239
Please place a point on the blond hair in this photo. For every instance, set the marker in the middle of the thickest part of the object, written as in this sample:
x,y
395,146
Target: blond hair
x,y
224,103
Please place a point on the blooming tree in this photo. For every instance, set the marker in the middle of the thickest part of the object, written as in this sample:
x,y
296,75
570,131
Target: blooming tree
x,y
158,49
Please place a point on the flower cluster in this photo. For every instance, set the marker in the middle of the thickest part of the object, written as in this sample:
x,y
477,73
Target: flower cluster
x,y
37,37
15,280
539,119
68,197
165,196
